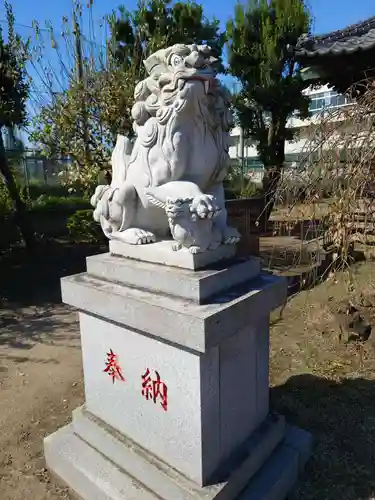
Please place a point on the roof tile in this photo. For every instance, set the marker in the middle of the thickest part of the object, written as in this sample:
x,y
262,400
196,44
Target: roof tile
x,y
355,38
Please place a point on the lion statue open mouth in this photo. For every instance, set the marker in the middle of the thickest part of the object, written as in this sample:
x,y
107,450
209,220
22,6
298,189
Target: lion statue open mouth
x,y
181,119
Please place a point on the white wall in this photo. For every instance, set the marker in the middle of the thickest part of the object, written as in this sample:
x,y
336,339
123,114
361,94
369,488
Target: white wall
x,y
299,145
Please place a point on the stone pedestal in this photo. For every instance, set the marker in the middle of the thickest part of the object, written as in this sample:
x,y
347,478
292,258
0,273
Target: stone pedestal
x,y
175,363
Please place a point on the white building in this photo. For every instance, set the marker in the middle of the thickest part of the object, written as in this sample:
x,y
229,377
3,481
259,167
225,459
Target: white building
x,y
322,99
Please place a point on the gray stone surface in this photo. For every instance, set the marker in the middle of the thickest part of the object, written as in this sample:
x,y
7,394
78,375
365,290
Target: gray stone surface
x,y
241,399
190,325
198,286
300,440
215,439
161,253
123,471
174,435
163,479
213,398
262,372
276,480
88,473
171,176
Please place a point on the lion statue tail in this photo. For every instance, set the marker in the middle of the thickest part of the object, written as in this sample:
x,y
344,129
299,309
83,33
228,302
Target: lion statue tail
x,y
120,160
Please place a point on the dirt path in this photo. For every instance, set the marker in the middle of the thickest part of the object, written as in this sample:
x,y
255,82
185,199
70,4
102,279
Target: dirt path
x,y
40,385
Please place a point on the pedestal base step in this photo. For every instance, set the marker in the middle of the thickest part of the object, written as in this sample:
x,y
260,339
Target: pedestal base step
x,y
97,465
161,253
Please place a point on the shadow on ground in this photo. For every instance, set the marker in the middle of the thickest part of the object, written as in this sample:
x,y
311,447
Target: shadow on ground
x,y
35,279
341,417
30,296
53,324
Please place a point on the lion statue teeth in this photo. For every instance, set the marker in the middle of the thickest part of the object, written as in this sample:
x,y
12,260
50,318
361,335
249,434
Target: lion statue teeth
x,y
181,119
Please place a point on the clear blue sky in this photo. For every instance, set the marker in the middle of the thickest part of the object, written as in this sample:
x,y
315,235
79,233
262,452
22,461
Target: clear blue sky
x,y
329,14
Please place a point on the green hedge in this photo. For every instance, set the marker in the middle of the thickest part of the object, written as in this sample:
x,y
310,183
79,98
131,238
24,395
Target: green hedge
x,y
82,228
35,190
52,217
55,203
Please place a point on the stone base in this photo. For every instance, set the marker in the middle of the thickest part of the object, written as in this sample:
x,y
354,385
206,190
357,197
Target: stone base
x,y
198,286
161,253
265,468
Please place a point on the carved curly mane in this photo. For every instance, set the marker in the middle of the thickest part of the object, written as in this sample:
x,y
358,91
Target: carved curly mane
x,y
180,98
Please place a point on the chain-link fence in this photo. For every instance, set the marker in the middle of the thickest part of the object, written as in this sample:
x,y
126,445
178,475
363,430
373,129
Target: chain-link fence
x,y
33,169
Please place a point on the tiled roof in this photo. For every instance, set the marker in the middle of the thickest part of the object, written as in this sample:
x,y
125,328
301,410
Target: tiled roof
x,y
355,38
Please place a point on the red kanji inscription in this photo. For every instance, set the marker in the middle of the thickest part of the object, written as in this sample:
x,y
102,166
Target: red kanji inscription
x,y
112,367
155,389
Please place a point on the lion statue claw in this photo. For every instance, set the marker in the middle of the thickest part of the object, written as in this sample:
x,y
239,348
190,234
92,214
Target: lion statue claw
x,y
181,119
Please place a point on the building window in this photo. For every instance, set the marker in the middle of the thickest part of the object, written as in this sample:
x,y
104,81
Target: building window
x,y
253,163
326,100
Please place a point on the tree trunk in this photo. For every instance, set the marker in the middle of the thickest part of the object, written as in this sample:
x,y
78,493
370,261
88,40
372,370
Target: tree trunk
x,y
18,204
275,164
272,183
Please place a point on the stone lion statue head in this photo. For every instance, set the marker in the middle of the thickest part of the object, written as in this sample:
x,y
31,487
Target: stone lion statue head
x,y
182,76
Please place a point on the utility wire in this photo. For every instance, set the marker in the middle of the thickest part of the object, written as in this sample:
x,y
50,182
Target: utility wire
x,y
4,21
46,30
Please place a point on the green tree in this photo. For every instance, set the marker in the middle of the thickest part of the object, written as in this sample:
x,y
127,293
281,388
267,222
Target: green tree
x,y
90,100
59,129
259,39
13,95
106,83
156,24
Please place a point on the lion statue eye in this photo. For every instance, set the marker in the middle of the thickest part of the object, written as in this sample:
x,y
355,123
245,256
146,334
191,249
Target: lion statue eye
x,y
176,60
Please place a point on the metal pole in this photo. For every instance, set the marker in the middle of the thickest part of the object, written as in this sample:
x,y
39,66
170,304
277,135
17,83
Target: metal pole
x,y
80,78
242,153
25,170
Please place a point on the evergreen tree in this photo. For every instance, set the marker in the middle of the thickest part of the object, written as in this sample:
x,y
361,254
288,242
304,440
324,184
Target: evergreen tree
x,y
156,24
13,95
260,37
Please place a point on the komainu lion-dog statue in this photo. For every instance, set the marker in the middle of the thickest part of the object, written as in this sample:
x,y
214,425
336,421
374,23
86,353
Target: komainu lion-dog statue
x,y
182,116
